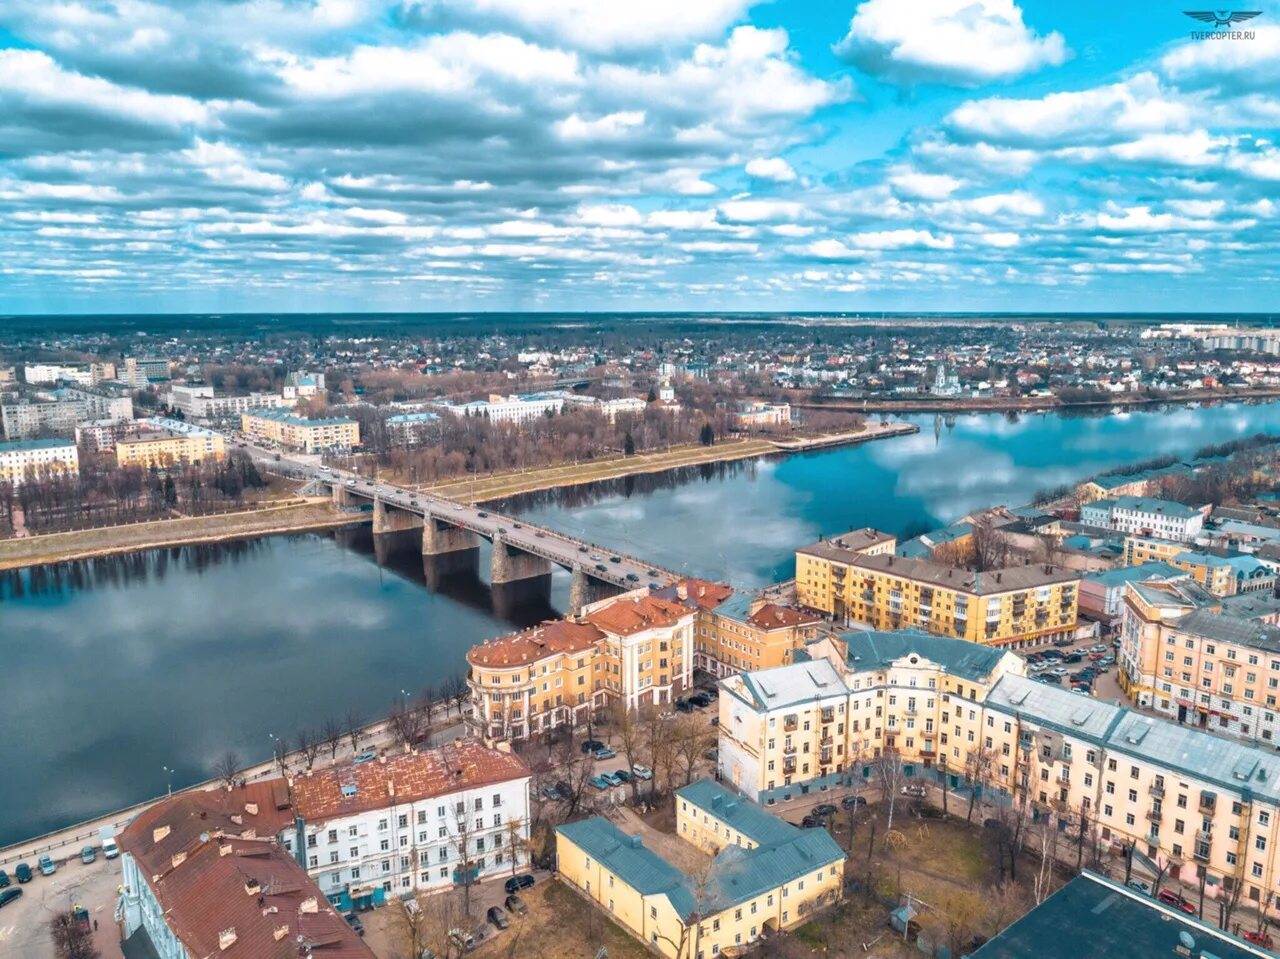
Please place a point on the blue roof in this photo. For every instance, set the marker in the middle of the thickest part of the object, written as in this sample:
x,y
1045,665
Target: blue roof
x,y
16,446
625,856
914,549
959,657
1130,574
740,813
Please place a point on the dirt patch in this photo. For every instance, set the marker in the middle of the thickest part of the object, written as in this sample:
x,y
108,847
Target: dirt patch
x,y
560,925
683,855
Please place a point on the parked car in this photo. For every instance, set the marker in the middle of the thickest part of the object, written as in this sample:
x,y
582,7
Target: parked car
x,y
516,883
550,792
23,872
47,866
88,854
1055,680
591,745
850,802
562,787
4,879
604,752
915,790
1171,898
498,917
683,706
1258,939
366,757
1060,643
823,809
611,778
700,699
515,904
622,776
599,782
642,772
8,895
810,822
1138,884
354,922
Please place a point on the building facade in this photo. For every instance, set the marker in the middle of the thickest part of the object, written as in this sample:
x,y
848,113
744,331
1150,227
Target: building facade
x,y
1186,801
166,442
762,875
22,459
1018,606
297,432
199,402
369,831
1143,515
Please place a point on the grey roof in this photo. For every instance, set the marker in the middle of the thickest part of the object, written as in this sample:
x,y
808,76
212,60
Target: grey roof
x,y
1094,918
1253,605
1146,504
966,581
795,683
1181,749
844,546
959,657
1230,629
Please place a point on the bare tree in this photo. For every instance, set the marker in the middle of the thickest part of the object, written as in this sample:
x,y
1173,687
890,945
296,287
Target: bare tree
x,y
455,690
355,729
517,842
71,940
430,701
462,839
690,737
890,772
627,725
331,733
977,770
406,722
227,768
308,745
659,748
991,547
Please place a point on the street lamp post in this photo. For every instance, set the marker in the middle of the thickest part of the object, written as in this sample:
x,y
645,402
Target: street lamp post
x,y
169,780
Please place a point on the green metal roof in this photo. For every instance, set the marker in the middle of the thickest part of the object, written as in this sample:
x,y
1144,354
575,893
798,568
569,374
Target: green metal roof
x,y
959,657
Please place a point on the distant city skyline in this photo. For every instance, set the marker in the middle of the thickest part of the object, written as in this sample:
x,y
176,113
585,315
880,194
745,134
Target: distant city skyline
x,y
721,155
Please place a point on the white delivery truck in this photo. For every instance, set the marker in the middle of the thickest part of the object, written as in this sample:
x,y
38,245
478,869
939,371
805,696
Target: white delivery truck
x,y
109,847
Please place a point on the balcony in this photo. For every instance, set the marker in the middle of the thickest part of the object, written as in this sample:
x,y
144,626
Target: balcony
x,y
1157,790
827,741
1153,839
789,749
790,724
1208,807
1155,815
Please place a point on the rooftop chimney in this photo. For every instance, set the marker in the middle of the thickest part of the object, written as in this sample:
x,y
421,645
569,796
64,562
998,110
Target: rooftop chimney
x,y
159,833
682,591
279,933
309,905
226,938
178,859
251,808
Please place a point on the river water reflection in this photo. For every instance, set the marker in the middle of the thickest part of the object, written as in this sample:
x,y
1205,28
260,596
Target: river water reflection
x,y
112,669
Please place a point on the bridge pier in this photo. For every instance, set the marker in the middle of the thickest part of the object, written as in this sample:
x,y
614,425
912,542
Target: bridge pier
x,y
392,520
510,563
341,497
585,588
438,538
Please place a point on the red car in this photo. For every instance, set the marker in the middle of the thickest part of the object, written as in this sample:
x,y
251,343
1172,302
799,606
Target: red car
x,y
1171,898
1258,939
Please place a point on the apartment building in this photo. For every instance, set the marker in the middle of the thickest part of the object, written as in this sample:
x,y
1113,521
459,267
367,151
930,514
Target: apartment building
x,y
516,408
164,442
1143,515
410,429
1102,593
761,875
822,568
756,414
1202,660
369,831
734,630
300,433
103,401
1018,606
537,679
203,874
1185,800
44,415
647,652
814,724
21,459
199,402
561,672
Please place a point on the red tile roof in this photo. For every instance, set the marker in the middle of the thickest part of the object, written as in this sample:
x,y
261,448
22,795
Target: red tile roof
x,y
702,592
259,809
409,777
773,616
633,614
249,899
547,639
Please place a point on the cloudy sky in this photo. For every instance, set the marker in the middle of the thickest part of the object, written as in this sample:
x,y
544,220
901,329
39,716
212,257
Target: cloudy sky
x,y
662,154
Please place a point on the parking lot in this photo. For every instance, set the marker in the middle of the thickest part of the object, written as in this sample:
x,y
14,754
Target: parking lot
x,y
24,923
1087,667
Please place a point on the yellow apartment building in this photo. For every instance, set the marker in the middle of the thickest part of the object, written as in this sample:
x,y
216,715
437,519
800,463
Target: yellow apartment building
x,y
296,432
822,567
760,875
21,460
1018,606
169,443
647,653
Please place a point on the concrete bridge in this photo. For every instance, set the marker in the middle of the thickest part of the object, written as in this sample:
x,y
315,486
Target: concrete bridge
x,y
451,532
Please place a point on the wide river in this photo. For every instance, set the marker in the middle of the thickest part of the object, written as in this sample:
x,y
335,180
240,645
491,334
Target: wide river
x,y
112,670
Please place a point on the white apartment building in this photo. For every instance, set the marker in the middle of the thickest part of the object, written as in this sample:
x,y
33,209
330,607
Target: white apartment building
x,y
369,831
199,402
1143,515
41,374
517,408
103,402
20,457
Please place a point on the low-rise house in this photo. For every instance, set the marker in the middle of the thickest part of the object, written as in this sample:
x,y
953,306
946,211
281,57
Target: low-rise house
x,y
762,875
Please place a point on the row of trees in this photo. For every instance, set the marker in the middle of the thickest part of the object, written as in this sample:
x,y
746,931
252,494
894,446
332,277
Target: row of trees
x,y
102,493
